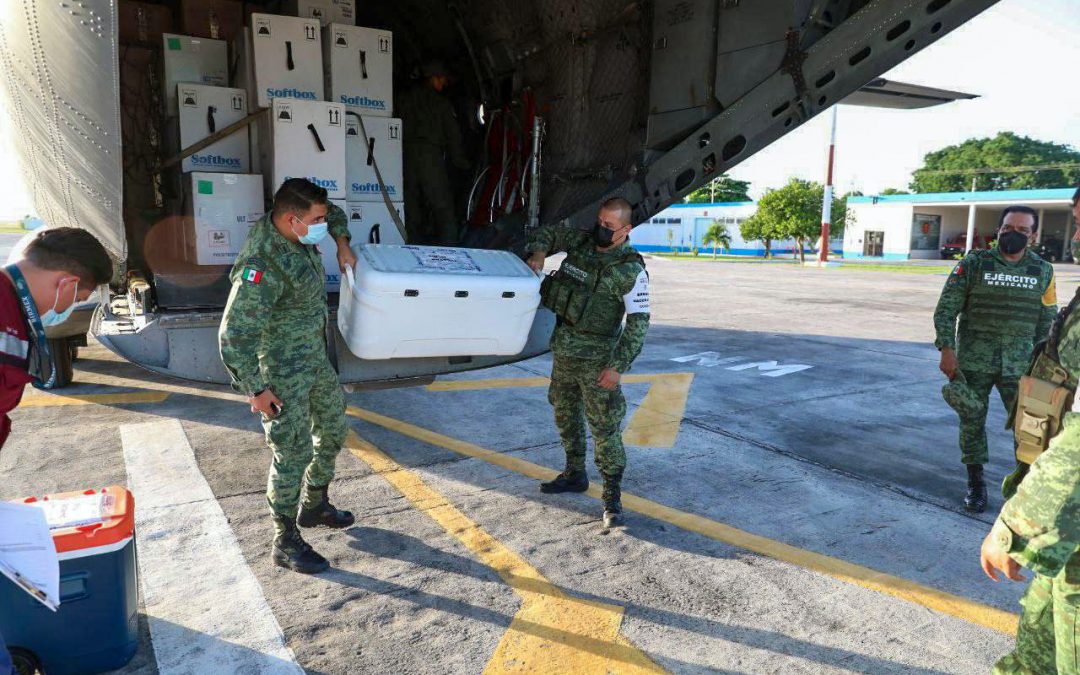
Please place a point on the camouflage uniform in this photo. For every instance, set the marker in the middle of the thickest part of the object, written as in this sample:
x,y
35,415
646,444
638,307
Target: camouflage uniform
x,y
431,137
1039,527
1004,308
597,341
273,335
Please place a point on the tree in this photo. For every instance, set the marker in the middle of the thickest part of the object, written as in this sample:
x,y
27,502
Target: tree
x,y
723,188
1006,150
717,235
894,191
794,212
760,227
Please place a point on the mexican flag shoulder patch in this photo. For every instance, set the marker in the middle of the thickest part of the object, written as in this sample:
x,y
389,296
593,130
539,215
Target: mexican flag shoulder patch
x,y
251,275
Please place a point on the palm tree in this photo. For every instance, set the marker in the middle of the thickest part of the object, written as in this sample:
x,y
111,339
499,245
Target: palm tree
x,y
717,235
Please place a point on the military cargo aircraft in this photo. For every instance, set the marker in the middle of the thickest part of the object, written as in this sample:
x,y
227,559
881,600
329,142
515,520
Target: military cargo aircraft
x,y
644,99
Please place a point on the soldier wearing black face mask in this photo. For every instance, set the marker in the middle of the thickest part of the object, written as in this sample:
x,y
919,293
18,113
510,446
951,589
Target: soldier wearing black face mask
x,y
1005,300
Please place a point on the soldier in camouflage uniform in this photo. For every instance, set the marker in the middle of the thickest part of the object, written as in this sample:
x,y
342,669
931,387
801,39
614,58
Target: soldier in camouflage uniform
x,y
273,343
602,280
432,137
1005,299
1039,526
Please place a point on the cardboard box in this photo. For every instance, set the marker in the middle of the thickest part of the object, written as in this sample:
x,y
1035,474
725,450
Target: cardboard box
x,y
191,60
367,221
205,110
384,139
359,67
215,19
325,11
286,59
308,140
221,209
143,23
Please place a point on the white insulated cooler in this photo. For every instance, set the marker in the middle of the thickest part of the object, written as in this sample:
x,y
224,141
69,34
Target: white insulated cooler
x,y
205,110
324,11
369,223
286,59
221,209
192,60
384,143
308,141
359,65
428,301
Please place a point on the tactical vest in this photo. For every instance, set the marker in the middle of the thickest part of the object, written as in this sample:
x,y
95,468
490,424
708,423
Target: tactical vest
x,y
1003,301
568,291
1045,394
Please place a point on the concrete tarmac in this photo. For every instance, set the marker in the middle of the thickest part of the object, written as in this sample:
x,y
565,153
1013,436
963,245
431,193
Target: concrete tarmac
x,y
793,501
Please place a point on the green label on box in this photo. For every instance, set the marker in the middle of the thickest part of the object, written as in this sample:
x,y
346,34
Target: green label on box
x,y
206,187
174,44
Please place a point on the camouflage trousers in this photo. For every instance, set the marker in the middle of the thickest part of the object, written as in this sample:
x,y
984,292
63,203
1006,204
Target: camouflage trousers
x,y
973,448
1046,641
306,437
577,398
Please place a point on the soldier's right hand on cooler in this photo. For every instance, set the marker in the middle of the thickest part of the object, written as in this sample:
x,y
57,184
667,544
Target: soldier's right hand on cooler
x,y
536,261
265,402
948,363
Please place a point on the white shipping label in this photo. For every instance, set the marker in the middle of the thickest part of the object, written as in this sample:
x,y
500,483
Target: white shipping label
x,y
443,259
637,300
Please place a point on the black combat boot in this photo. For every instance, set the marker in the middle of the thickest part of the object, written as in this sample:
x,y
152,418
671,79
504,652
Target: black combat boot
x,y
567,481
292,552
975,500
612,497
323,513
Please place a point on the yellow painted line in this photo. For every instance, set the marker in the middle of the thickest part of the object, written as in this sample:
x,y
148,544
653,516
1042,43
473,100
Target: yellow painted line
x,y
552,632
654,424
897,587
47,400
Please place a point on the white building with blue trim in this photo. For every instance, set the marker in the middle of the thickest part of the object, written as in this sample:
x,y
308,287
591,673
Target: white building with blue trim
x,y
682,228
918,226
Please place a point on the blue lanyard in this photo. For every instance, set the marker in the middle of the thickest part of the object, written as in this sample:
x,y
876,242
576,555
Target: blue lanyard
x,y
22,289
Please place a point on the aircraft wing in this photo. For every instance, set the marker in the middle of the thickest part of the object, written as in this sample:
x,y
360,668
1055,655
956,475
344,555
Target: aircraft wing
x,y
882,93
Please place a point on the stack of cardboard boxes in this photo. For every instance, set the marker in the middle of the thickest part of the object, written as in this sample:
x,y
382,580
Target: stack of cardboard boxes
x,y
328,88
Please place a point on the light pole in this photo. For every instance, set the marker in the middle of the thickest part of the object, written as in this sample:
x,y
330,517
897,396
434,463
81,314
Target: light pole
x,y
826,203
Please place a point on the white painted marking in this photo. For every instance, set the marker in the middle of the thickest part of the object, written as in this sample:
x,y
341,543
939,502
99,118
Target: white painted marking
x,y
707,359
771,368
206,610
767,368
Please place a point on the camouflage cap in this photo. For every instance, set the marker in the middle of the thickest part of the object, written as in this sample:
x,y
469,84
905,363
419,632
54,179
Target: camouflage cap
x,y
961,398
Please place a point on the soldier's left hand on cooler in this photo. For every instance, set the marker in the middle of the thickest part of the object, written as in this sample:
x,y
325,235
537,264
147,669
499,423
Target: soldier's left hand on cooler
x,y
345,257
536,261
609,379
994,559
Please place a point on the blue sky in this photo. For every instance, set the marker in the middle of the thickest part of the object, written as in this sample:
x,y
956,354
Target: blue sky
x,y
1020,56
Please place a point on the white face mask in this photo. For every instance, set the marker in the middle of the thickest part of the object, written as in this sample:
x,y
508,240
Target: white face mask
x,y
54,318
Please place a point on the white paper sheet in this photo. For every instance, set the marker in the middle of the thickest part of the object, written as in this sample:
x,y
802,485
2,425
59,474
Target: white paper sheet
x,y
28,554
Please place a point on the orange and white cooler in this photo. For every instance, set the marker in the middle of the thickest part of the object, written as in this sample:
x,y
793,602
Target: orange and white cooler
x,y
97,625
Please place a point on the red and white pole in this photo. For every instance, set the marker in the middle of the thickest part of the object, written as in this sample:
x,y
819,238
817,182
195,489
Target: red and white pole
x,y
826,206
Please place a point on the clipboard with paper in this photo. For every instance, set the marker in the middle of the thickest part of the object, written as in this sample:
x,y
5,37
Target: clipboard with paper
x,y
27,553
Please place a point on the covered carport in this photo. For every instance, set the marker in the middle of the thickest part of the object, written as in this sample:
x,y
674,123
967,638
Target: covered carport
x,y
918,226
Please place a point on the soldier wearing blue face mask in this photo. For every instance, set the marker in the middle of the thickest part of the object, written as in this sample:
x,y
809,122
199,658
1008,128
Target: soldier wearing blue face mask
x,y
60,268
273,343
